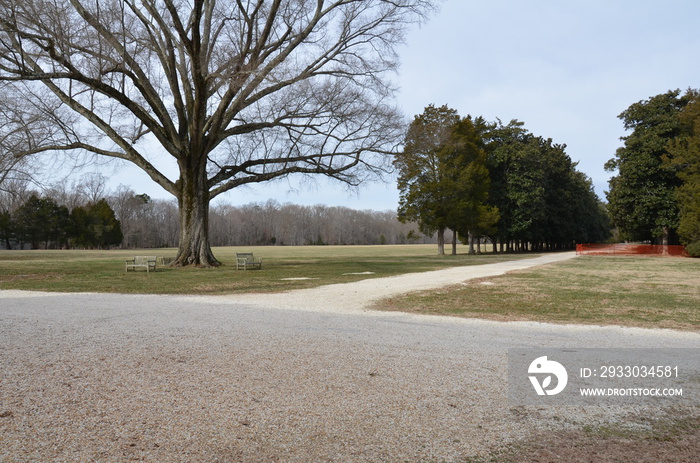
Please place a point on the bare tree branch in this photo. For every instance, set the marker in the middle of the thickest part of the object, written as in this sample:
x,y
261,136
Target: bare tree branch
x,y
233,91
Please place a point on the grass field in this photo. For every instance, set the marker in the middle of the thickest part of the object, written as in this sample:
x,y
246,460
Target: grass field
x,y
652,292
103,271
649,292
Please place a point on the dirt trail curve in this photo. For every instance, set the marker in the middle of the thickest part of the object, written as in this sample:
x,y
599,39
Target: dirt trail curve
x,y
356,296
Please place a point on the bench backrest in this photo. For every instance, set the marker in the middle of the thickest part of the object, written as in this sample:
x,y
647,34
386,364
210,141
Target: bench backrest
x,y
244,255
143,260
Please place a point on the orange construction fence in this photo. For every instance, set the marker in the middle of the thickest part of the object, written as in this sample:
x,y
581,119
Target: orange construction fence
x,y
630,249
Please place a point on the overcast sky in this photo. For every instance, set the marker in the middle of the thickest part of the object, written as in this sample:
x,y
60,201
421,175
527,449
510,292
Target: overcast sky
x,y
566,69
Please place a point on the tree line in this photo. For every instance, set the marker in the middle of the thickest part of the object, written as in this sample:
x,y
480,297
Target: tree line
x,y
489,179
272,223
56,219
41,222
86,215
655,194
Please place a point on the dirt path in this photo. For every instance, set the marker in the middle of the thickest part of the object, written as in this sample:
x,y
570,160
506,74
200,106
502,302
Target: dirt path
x,y
355,297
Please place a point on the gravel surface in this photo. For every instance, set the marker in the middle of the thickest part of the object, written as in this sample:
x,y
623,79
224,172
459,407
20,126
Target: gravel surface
x,y
305,376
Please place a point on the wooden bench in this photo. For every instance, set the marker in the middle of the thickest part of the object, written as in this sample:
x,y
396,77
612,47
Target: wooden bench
x,y
147,262
245,260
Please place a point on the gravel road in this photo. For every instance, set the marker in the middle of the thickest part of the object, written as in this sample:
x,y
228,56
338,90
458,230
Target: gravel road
x,y
305,376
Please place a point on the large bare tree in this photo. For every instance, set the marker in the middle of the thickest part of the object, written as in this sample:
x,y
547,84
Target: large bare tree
x,y
234,91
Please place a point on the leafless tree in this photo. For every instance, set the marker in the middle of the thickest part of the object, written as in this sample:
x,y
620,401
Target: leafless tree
x,y
13,194
145,222
272,223
15,137
93,186
235,92
88,189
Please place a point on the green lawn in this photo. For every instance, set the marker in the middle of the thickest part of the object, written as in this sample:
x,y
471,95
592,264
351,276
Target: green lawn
x,y
652,292
103,271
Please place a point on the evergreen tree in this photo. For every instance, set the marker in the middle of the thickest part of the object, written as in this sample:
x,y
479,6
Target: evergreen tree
x,y
642,196
422,172
684,159
517,184
443,179
6,229
543,201
470,182
96,226
42,221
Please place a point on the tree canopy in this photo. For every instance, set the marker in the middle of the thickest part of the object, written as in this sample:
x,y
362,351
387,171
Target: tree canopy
x,y
500,181
95,226
41,221
544,202
233,92
642,198
683,158
443,179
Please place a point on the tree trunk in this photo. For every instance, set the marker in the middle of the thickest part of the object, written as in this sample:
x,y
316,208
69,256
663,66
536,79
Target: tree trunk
x,y
454,242
471,244
441,241
664,240
193,202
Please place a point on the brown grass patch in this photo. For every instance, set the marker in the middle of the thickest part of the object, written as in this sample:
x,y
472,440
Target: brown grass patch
x,y
631,291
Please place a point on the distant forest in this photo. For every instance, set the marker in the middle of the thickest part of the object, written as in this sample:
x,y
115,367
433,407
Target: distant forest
x,y
55,218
